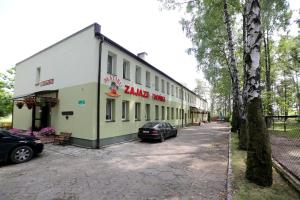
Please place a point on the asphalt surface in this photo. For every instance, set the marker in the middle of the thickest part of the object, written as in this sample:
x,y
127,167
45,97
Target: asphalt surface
x,y
191,166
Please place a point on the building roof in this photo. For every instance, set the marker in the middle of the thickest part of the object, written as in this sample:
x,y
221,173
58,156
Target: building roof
x,y
108,40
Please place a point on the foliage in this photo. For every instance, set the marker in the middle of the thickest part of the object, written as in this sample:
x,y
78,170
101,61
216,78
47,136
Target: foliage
x,y
6,89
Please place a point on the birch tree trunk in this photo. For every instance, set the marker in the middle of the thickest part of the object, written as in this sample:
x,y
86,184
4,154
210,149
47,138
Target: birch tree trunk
x,y
259,163
237,100
243,136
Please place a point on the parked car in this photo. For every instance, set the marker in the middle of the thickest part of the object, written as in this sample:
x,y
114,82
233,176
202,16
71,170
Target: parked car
x,y
18,148
157,131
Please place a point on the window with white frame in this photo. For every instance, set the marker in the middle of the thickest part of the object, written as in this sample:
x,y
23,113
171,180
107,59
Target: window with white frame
x,y
111,63
168,113
156,112
176,92
138,75
137,111
162,85
163,113
177,116
172,90
110,104
126,69
147,112
156,83
38,76
168,88
148,82
125,110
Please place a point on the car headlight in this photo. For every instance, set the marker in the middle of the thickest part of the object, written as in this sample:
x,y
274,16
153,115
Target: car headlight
x,y
37,141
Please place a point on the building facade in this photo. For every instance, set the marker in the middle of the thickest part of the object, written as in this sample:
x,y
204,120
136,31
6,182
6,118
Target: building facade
x,y
94,88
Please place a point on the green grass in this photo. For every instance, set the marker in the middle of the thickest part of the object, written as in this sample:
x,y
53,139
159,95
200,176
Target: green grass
x,y
292,129
244,190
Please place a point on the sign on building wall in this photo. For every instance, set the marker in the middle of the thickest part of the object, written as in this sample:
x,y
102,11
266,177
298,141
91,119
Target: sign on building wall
x,y
114,83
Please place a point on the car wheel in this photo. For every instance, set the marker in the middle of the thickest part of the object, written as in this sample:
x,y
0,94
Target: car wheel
x,y
21,154
162,137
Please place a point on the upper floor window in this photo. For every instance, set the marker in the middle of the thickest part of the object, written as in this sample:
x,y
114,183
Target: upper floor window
x,y
168,88
38,76
111,63
156,83
148,82
138,74
172,90
126,69
162,86
176,92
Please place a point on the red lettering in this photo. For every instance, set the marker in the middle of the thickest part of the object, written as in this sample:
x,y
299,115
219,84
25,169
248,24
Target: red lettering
x,y
126,90
132,91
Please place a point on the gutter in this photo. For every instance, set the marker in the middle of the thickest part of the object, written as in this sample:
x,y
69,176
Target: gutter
x,y
101,38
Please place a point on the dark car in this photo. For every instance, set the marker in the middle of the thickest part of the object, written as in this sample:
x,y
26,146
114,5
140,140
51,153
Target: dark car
x,y
17,148
157,131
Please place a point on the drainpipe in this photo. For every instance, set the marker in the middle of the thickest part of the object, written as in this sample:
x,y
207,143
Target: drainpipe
x,y
101,38
12,113
182,111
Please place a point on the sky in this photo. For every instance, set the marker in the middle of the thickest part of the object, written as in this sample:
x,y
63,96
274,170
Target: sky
x,y
27,27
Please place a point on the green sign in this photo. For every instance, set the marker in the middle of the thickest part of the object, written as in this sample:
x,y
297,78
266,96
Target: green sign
x,y
81,102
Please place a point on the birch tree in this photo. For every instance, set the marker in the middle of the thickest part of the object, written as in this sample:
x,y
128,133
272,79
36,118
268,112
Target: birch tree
x,y
259,163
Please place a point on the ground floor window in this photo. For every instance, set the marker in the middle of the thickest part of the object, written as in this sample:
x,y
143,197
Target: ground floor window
x,y
156,113
110,103
137,111
176,113
172,113
125,110
163,113
147,113
168,113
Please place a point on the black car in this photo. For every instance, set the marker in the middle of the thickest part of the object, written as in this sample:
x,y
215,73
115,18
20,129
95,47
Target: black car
x,y
157,131
17,148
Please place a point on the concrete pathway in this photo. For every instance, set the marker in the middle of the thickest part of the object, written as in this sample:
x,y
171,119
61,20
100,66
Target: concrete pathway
x,y
191,166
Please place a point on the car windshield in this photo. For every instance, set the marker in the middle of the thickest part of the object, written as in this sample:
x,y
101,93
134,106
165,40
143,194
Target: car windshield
x,y
150,124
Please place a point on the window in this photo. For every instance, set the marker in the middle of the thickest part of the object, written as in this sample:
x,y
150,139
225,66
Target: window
x,y
172,113
147,113
111,63
162,86
125,110
110,104
176,92
138,74
126,70
156,83
38,76
172,90
163,113
137,111
156,113
168,113
177,113
168,88
148,79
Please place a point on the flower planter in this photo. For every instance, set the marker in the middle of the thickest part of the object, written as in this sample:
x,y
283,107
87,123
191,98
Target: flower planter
x,y
20,104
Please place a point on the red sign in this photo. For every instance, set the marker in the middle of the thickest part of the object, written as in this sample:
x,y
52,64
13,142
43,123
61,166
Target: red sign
x,y
142,93
47,82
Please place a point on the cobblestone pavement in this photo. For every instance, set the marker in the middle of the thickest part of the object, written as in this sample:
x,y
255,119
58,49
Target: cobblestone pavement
x,y
191,166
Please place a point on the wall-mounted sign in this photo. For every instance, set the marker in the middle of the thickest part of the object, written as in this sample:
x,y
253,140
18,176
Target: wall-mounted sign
x,y
47,82
114,83
81,102
142,93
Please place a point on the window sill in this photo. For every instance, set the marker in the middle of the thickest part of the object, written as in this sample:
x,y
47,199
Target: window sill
x,y
125,120
138,83
148,86
137,120
110,121
147,120
111,74
127,79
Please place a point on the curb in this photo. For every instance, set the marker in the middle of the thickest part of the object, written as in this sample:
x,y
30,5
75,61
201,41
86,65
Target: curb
x,y
286,175
229,171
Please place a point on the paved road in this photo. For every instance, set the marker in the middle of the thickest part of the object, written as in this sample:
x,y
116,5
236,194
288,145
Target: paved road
x,y
191,166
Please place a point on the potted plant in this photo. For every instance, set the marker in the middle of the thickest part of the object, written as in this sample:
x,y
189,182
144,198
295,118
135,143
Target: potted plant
x,y
30,102
20,104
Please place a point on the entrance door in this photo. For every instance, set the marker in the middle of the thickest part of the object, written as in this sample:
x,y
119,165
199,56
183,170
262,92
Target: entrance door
x,y
45,116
